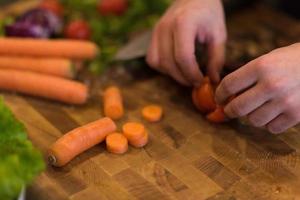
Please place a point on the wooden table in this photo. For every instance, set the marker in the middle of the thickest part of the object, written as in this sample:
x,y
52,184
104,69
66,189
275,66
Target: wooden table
x,y
186,158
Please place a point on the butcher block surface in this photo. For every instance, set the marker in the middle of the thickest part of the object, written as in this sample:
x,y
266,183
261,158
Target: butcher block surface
x,y
187,157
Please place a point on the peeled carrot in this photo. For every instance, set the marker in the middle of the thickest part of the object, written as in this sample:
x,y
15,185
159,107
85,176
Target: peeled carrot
x,y
204,97
48,48
116,143
136,134
133,130
41,85
217,116
52,66
113,103
152,113
79,140
139,143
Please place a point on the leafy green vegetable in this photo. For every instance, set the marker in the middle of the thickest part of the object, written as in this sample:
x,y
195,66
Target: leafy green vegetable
x,y
20,162
110,32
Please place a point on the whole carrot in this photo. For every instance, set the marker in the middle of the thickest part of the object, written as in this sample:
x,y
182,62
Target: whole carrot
x,y
41,85
113,103
48,48
52,66
79,140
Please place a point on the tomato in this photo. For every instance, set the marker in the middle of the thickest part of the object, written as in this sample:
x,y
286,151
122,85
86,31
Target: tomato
x,y
78,29
53,6
112,7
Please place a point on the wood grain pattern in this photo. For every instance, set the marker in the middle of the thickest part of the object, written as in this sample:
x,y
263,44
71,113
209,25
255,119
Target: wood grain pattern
x,y
187,157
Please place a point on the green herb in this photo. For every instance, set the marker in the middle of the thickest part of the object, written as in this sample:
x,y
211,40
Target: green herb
x,y
111,32
20,162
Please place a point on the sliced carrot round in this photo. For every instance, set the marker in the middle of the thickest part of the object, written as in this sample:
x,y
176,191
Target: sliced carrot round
x,y
133,130
116,143
217,116
152,113
204,97
139,143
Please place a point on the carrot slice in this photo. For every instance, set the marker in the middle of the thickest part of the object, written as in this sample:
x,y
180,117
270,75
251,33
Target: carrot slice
x,y
79,140
195,98
205,97
139,143
52,66
48,48
113,103
152,113
116,143
217,116
133,130
41,85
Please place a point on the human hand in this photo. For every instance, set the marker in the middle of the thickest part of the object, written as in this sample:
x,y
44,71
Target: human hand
x,y
267,90
172,49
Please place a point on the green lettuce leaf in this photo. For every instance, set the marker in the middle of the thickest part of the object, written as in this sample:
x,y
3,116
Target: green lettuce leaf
x,y
20,162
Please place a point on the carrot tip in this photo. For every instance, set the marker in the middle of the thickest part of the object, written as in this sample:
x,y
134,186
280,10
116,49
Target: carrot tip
x,y
51,160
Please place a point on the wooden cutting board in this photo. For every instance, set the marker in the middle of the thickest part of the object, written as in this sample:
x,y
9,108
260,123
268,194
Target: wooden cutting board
x,y
186,158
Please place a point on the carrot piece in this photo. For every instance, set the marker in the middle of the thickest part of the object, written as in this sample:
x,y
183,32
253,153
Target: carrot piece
x,y
152,113
217,116
133,130
79,140
136,134
113,103
48,48
139,143
116,143
204,97
52,66
46,86
195,98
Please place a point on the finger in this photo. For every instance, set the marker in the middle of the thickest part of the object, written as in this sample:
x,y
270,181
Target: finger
x,y
281,123
246,102
152,54
166,52
216,58
236,82
265,113
184,40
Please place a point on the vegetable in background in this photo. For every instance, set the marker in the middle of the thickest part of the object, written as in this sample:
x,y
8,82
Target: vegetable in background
x,y
20,162
46,86
52,5
111,32
35,23
112,7
78,29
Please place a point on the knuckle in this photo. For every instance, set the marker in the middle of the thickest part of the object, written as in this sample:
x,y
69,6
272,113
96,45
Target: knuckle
x,y
272,86
180,20
151,61
182,58
227,86
288,104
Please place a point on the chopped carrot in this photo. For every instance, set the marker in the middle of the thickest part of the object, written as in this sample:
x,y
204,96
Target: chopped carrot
x,y
217,116
52,66
116,143
133,130
79,140
48,48
195,98
113,103
139,143
136,134
41,85
152,113
204,97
